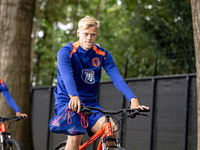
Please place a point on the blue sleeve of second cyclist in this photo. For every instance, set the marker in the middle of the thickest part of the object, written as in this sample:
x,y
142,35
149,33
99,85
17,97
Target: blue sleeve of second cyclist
x,y
9,98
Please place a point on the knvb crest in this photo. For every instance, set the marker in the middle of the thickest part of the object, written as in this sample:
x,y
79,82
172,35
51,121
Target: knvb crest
x,y
95,62
88,76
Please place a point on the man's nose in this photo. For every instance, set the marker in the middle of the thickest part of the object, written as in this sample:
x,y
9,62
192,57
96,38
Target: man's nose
x,y
89,36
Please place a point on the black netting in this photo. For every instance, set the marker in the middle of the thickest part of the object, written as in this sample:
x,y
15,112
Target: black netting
x,y
169,120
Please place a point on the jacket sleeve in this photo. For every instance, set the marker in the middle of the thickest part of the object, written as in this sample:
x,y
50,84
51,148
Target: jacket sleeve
x,y
9,98
66,72
112,71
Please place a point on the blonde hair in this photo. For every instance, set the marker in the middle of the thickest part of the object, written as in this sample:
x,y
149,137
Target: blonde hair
x,y
87,22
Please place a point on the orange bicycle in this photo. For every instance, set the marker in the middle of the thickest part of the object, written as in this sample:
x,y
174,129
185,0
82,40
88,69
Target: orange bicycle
x,y
7,143
106,132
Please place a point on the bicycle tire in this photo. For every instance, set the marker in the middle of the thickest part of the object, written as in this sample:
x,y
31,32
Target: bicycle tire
x,y
61,146
119,148
11,144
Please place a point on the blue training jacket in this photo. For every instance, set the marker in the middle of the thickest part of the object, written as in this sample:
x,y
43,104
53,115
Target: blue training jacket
x,y
79,73
7,95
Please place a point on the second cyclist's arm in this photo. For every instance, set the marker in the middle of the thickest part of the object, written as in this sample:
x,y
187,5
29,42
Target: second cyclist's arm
x,y
10,100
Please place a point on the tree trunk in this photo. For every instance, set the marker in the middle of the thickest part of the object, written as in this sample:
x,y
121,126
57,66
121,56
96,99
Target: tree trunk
x,y
15,39
196,27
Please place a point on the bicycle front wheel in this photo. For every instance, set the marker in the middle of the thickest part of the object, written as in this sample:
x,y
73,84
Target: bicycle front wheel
x,y
61,146
119,148
11,144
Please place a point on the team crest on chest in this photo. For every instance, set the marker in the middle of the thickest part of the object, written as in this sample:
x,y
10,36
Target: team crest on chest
x,y
95,62
88,76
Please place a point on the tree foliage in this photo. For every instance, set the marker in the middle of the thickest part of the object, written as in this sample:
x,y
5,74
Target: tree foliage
x,y
163,28
136,30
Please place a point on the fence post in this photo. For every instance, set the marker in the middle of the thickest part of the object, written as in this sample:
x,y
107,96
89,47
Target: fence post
x,y
187,101
153,102
49,116
123,105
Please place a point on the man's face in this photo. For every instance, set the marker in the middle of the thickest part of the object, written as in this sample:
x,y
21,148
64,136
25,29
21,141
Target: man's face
x,y
87,37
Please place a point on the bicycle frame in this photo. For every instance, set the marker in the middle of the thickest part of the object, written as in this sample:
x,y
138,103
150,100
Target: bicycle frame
x,y
5,138
104,132
2,127
2,131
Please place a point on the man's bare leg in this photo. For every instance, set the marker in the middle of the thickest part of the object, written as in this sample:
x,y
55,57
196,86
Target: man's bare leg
x,y
73,142
98,126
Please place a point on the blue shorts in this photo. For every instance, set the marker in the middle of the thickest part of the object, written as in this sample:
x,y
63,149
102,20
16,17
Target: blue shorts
x,y
93,118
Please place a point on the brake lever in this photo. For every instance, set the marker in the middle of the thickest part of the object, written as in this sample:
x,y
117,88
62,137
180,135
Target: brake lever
x,y
134,114
85,111
144,115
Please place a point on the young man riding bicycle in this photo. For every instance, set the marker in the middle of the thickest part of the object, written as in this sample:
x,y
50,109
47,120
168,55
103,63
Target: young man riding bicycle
x,y
79,73
9,99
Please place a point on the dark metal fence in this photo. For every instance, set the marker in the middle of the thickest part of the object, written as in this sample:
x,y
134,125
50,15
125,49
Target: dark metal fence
x,y
172,122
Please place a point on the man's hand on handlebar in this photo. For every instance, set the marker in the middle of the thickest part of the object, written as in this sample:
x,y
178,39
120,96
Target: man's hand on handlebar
x,y
23,115
75,104
135,104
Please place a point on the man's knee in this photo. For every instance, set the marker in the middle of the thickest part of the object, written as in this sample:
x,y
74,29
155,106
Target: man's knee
x,y
74,140
115,134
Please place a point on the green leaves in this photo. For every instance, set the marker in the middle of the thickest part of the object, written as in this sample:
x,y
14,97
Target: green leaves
x,y
133,29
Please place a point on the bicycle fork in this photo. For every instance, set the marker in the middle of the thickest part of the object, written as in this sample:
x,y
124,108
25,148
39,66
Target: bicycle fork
x,y
108,136
2,131
103,142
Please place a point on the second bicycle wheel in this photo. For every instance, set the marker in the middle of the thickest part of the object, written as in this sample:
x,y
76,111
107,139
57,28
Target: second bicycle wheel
x,y
119,148
61,146
11,144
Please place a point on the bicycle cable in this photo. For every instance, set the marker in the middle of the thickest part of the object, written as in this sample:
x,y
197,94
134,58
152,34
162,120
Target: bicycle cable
x,y
11,122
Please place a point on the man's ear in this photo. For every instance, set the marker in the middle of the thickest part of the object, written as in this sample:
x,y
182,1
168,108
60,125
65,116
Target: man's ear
x,y
78,32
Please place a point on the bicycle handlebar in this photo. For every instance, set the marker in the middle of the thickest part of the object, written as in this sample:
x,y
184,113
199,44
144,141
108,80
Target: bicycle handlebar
x,y
16,118
87,111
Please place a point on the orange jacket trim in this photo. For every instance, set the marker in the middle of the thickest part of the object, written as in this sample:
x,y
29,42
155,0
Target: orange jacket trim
x,y
1,81
98,51
75,46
